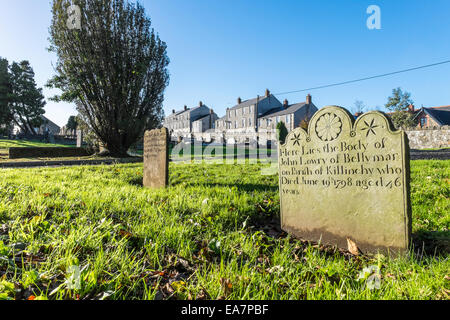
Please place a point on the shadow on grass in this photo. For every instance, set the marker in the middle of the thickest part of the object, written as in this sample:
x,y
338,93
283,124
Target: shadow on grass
x,y
136,181
21,143
247,187
431,243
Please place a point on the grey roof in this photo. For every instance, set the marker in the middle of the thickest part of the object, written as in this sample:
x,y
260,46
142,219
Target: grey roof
x,y
249,102
202,117
48,121
441,115
290,109
183,111
176,113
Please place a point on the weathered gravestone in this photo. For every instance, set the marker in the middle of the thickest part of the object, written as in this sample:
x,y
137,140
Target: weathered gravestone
x,y
156,158
79,138
347,179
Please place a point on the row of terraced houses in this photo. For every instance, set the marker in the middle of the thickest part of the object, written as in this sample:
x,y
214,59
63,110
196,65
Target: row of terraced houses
x,y
249,121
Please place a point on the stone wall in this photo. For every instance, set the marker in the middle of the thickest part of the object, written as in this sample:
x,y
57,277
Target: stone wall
x,y
230,138
429,138
418,138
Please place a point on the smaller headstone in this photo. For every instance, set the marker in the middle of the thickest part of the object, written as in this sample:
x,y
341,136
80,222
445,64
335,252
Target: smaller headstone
x,y
79,138
156,158
51,138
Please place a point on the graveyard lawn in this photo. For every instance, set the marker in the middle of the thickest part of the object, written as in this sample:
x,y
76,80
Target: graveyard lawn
x,y
212,234
5,144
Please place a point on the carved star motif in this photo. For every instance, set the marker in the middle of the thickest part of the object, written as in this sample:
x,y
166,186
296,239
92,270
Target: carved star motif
x,y
370,127
296,139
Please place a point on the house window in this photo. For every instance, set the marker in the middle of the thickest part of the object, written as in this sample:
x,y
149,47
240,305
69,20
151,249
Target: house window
x,y
423,122
243,123
287,119
249,122
235,124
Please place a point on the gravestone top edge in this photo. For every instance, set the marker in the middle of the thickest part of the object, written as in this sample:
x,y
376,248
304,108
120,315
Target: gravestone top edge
x,y
160,131
349,117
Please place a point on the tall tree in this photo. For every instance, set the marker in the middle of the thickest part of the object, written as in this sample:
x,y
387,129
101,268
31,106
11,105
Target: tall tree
x,y
359,107
72,124
27,101
399,104
5,94
114,68
282,132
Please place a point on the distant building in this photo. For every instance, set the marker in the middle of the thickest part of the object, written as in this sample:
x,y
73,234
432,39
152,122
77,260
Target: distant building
x,y
48,126
182,123
432,117
249,121
205,123
291,114
244,116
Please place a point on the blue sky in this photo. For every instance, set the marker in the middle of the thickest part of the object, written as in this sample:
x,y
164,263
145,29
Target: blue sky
x,y
221,50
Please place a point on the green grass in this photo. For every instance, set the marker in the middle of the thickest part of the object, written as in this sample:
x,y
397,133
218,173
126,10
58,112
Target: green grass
x,y
212,234
5,144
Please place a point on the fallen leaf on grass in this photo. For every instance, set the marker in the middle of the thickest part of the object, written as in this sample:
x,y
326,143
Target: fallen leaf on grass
x,y
227,286
168,288
125,234
352,247
203,295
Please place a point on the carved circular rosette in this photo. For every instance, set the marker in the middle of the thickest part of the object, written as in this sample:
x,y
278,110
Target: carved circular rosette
x,y
328,127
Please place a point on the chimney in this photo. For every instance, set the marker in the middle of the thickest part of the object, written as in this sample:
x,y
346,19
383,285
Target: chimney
x,y
308,99
185,108
267,93
173,110
211,111
200,104
239,100
285,103
411,108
